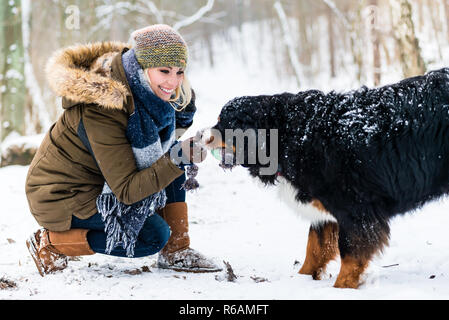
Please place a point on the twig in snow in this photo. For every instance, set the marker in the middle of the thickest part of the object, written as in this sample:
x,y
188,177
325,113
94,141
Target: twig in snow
x,y
7,284
231,277
391,265
259,279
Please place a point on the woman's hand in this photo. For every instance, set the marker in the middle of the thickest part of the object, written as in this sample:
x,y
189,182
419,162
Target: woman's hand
x,y
193,150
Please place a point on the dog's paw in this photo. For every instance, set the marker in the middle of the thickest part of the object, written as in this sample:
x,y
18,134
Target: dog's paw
x,y
316,273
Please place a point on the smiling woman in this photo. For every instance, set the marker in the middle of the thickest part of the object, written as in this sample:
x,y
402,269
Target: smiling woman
x,y
164,72
126,195
165,81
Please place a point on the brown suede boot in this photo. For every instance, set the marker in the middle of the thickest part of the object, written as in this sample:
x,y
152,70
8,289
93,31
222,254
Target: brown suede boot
x,y
50,249
177,255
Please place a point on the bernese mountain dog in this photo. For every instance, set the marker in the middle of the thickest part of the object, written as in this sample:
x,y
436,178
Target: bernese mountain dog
x,y
352,160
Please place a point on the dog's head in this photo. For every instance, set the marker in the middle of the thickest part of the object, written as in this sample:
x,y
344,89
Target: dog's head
x,y
247,134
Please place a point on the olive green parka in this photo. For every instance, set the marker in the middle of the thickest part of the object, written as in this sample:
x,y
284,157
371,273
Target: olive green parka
x,y
64,179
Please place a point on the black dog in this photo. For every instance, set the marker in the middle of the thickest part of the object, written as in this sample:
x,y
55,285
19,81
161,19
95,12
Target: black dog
x,y
358,158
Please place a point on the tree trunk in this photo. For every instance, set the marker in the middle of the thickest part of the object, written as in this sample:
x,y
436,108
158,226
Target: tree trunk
x,y
375,41
305,47
12,77
288,40
446,13
209,45
410,57
436,23
356,38
330,33
420,4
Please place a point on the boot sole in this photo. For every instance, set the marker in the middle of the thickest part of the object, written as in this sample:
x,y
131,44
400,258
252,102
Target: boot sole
x,y
190,270
32,248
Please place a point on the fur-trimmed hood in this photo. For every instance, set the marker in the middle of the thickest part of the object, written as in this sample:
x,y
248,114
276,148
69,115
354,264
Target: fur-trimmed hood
x,y
82,74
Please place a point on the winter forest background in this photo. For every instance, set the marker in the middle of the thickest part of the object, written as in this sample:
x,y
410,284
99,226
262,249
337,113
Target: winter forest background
x,y
237,47
371,42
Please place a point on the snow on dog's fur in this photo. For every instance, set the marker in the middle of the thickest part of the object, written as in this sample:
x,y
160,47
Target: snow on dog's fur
x,y
356,158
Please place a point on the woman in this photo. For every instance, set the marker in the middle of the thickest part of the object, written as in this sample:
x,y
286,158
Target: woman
x,y
108,175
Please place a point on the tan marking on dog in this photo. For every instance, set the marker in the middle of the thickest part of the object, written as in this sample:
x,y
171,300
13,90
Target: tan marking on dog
x,y
317,204
321,248
211,141
350,272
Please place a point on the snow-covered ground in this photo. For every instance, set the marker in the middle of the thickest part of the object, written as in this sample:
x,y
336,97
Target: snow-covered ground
x,y
235,219
232,218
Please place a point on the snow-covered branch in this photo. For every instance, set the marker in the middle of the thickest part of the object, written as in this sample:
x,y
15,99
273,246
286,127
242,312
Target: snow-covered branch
x,y
195,17
155,11
294,59
105,13
338,13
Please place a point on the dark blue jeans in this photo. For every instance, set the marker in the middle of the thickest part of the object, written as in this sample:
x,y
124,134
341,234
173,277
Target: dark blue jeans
x,y
152,237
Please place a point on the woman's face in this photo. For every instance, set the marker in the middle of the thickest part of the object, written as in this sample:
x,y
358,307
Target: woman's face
x,y
165,80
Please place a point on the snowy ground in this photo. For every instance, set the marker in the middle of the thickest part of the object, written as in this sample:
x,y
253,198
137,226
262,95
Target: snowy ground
x,y
232,218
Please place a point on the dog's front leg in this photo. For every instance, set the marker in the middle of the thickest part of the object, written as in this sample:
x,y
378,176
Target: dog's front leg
x,y
322,247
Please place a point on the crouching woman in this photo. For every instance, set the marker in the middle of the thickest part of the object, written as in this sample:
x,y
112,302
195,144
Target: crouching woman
x,y
108,175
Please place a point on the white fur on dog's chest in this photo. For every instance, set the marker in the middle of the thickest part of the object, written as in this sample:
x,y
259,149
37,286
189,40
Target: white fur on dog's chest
x,y
287,194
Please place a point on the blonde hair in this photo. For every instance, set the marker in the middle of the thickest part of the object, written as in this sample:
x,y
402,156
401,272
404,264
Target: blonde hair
x,y
183,93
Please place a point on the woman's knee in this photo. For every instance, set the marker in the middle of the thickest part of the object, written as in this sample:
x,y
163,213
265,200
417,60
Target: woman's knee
x,y
161,237
154,234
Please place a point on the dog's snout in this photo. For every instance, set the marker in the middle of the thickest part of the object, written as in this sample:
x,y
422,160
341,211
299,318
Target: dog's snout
x,y
208,138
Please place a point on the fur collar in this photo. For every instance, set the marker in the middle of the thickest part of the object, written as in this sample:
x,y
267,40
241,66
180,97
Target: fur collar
x,y
82,74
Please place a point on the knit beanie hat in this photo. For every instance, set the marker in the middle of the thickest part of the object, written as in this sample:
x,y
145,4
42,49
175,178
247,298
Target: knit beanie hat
x,y
159,45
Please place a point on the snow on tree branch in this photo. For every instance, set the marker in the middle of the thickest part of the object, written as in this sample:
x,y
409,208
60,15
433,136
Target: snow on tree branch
x,y
105,13
338,13
289,41
155,11
195,17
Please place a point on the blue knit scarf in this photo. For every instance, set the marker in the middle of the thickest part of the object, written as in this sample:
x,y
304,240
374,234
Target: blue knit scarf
x,y
151,133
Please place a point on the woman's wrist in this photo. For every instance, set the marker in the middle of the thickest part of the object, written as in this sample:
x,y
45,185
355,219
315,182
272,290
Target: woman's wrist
x,y
177,156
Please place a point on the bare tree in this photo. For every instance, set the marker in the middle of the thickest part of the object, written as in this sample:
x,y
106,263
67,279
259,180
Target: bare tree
x,y
37,115
289,41
306,46
436,23
446,14
12,75
409,50
352,26
330,35
375,40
